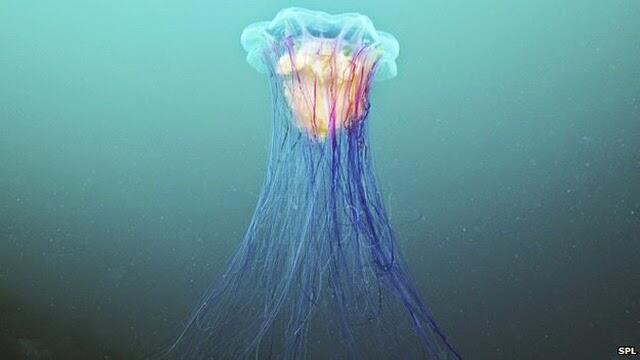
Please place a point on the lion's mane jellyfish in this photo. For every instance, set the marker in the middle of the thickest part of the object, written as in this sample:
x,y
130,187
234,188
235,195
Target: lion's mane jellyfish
x,y
318,273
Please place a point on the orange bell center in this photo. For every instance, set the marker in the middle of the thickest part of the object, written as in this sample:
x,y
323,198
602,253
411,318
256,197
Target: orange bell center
x,y
326,84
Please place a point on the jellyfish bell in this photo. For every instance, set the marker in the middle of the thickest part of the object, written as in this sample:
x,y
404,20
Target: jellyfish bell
x,y
324,63
300,24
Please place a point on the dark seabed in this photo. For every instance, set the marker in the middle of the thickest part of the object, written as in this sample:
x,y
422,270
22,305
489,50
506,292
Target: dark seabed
x,y
133,144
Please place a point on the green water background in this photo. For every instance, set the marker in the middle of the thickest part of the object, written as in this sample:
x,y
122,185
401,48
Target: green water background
x,y
133,140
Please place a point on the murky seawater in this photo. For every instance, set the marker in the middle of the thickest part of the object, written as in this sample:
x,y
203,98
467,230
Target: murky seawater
x,y
133,140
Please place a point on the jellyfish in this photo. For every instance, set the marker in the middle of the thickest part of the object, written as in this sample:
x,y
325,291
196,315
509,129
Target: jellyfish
x,y
318,273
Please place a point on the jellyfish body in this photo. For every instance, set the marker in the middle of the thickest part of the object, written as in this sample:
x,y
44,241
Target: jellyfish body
x,y
318,273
